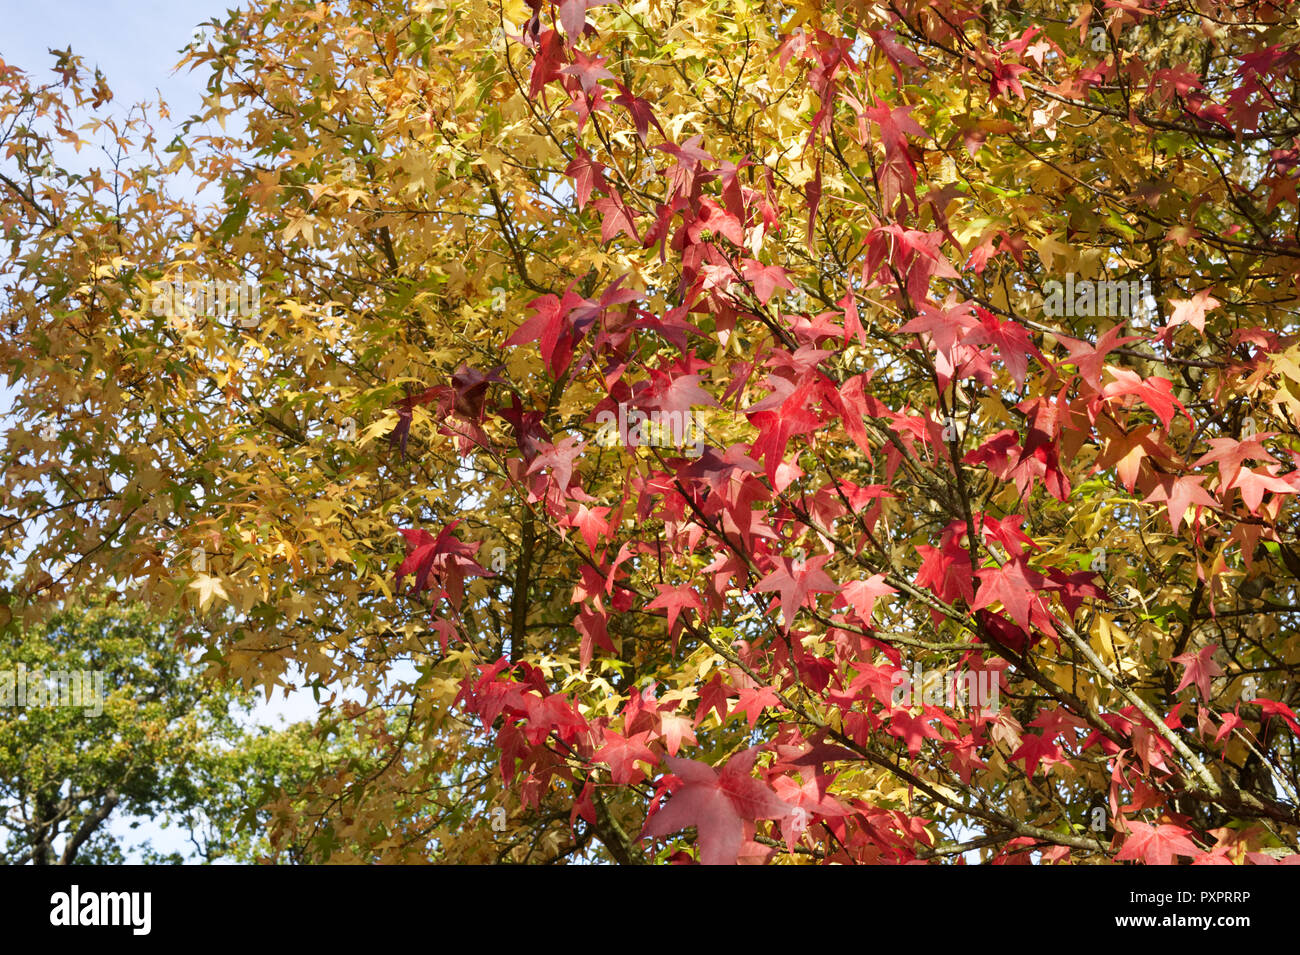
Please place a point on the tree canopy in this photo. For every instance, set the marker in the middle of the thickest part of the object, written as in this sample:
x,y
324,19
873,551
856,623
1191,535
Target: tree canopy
x,y
633,398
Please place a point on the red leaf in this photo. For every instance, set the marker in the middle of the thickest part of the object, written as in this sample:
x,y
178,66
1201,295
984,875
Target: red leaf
x,y
445,557
1035,749
1157,845
675,599
1274,708
587,174
861,595
591,626
558,458
754,700
766,279
573,15
591,524
589,70
1157,392
1180,494
717,804
622,754
616,218
1014,584
642,116
1230,454
795,585
1199,668
547,326
814,194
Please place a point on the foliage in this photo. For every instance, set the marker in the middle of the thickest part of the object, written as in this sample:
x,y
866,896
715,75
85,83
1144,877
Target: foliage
x,y
151,740
828,232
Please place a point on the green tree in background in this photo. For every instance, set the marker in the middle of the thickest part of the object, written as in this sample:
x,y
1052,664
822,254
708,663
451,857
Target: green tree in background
x,y
169,745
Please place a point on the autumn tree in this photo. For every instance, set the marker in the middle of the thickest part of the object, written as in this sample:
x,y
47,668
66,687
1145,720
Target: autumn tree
x,y
982,317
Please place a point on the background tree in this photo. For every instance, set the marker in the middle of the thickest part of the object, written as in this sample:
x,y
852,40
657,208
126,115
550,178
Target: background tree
x,y
168,747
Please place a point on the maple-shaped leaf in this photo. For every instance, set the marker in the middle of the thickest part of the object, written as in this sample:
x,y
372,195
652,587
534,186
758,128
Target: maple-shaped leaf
x,y
1192,310
587,175
1230,454
713,697
591,524
711,217
470,388
897,54
1035,749
553,713
912,729
422,547
1179,494
1275,708
547,326
946,325
622,754
593,630
1199,668
766,279
1015,584
547,61
674,730
807,800
589,71
1156,845
405,413
964,754
717,804
1231,721
683,175
1011,340
946,571
754,700
1004,79
861,595
795,584
895,124
1157,392
445,556
642,115
573,16
1254,484
809,756
715,468
208,587
617,218
1089,359
675,598
558,459
675,394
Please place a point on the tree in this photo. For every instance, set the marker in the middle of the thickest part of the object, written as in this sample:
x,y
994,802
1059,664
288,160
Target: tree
x,y
129,729
984,318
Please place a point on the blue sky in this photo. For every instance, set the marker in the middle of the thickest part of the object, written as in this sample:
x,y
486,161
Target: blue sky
x,y
135,43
